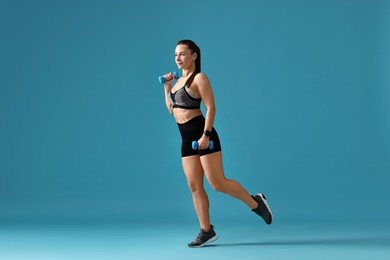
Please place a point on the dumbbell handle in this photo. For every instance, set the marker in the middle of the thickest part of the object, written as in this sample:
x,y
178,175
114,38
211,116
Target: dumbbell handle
x,y
162,80
195,145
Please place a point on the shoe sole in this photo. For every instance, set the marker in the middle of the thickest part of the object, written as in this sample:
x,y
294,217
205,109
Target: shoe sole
x,y
262,197
207,242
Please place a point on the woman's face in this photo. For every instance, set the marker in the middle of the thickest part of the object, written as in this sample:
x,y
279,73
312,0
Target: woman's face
x,y
183,57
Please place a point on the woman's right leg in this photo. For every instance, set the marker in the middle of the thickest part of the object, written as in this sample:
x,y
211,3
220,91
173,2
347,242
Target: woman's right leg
x,y
195,176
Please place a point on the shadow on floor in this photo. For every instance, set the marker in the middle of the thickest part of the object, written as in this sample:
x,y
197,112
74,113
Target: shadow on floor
x,y
364,241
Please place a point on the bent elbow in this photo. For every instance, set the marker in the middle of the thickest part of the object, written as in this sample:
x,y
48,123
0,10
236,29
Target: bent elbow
x,y
212,109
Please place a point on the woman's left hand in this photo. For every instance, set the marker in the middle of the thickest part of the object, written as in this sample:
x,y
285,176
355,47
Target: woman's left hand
x,y
203,142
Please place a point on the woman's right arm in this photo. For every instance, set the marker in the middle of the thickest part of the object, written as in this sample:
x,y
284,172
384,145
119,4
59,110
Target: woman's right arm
x,y
167,91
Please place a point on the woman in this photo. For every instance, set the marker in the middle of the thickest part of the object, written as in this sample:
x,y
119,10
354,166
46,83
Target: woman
x,y
183,100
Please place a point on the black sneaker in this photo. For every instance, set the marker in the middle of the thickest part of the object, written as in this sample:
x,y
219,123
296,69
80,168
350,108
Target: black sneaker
x,y
263,209
204,238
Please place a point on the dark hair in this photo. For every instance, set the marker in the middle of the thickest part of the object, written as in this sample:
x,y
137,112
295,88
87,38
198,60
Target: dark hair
x,y
194,49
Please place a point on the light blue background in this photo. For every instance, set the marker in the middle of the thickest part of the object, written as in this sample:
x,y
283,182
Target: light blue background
x,y
302,96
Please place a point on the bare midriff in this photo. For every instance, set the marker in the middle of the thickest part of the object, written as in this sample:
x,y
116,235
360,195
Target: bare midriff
x,y
183,115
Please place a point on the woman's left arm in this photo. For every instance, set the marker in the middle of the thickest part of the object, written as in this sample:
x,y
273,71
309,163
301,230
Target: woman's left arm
x,y
206,93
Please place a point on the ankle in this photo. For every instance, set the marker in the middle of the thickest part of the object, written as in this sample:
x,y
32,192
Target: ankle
x,y
206,228
253,204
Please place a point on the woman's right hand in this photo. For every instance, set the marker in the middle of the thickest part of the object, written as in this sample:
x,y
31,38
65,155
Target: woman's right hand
x,y
170,78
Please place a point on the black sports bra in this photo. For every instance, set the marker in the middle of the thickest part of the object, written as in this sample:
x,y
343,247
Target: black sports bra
x,y
183,99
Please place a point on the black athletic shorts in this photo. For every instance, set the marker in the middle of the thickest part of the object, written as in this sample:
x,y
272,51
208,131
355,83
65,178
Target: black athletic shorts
x,y
192,130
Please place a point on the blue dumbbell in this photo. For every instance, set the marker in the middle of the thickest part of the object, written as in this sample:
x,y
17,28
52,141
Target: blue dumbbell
x,y
162,79
195,145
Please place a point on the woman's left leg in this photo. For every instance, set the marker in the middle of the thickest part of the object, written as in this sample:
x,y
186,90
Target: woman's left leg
x,y
212,165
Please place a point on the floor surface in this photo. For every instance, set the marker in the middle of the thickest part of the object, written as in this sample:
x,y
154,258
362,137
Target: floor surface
x,y
289,240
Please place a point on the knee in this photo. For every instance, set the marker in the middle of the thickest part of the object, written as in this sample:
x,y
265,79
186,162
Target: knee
x,y
218,186
195,187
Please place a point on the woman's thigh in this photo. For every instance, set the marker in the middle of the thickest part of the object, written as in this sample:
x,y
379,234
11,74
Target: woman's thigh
x,y
213,167
193,170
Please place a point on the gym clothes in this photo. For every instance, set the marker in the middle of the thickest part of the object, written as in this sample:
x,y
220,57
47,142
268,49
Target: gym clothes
x,y
204,238
181,98
263,209
192,130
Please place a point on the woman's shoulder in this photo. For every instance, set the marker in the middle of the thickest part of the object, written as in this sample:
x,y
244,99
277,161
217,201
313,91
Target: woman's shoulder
x,y
201,75
201,78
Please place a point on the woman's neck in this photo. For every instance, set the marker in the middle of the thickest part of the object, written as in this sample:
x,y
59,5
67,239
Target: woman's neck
x,y
188,72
